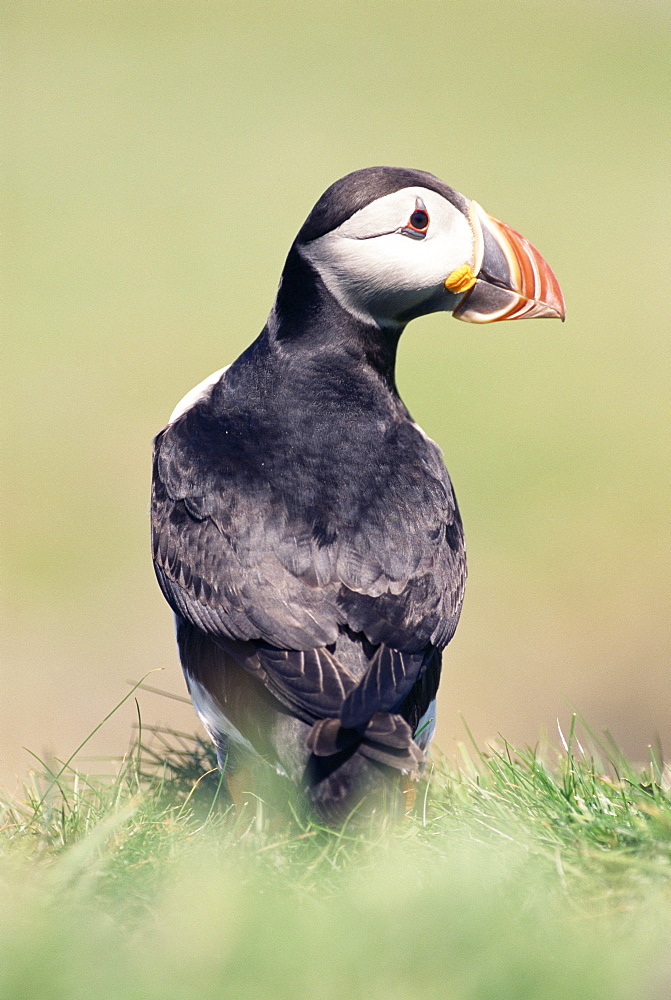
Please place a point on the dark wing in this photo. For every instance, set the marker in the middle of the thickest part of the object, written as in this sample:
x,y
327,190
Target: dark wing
x,y
240,554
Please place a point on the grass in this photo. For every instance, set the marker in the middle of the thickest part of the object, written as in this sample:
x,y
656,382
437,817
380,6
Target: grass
x,y
519,875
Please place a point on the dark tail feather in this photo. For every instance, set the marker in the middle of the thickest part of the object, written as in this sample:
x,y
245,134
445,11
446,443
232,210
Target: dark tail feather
x,y
352,766
327,737
388,740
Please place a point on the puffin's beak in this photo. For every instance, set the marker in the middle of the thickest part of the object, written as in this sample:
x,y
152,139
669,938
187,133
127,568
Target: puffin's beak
x,y
512,281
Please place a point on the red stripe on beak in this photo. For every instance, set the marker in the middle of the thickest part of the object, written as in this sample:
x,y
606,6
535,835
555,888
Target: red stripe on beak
x,y
525,287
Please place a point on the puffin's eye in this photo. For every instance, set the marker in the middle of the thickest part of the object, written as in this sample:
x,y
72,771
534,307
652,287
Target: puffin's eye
x,y
419,220
418,223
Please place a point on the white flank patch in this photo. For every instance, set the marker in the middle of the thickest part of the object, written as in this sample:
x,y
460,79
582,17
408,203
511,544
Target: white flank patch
x,y
428,720
197,393
212,717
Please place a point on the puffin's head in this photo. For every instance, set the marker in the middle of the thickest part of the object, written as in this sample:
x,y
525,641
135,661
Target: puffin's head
x,y
392,244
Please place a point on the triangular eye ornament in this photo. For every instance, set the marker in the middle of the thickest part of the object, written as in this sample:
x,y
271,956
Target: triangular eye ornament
x,y
418,223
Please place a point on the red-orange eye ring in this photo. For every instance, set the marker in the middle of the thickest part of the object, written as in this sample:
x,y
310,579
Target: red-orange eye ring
x,y
418,223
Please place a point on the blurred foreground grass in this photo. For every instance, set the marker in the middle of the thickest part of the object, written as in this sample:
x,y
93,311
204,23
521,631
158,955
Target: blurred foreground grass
x,y
514,878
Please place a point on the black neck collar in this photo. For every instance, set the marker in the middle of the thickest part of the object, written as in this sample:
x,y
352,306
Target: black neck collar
x,y
306,317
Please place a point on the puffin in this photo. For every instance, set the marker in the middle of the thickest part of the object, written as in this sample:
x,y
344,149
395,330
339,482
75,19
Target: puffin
x,y
305,531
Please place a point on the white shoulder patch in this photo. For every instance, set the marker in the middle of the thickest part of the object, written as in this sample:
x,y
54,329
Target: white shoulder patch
x,y
198,391
426,437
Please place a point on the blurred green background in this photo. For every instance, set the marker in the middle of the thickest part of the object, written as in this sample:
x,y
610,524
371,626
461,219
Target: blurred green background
x,y
158,159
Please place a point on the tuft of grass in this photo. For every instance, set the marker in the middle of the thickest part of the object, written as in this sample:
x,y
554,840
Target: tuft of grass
x,y
520,874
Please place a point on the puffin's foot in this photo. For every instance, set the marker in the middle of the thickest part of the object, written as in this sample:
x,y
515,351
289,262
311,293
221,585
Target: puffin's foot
x,y
409,790
241,788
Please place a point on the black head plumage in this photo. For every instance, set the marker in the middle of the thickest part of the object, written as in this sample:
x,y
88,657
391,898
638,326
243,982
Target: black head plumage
x,y
354,191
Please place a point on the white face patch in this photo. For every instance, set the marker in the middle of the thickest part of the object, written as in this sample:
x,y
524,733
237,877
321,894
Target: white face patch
x,y
376,272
